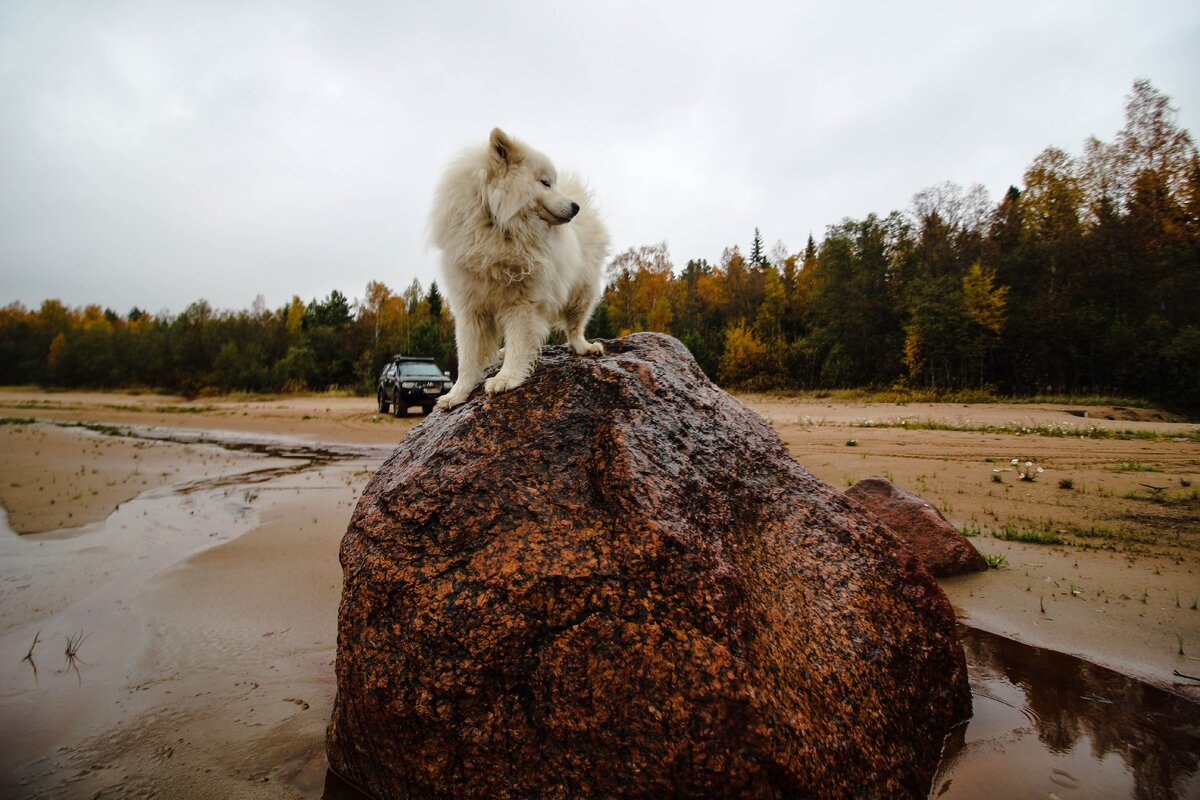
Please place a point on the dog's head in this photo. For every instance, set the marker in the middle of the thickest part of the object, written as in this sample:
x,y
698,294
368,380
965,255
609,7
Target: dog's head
x,y
521,183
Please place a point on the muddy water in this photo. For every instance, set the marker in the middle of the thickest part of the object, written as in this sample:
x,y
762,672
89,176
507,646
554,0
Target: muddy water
x,y
1051,725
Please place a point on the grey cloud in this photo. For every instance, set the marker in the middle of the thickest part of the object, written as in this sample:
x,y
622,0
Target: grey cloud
x,y
156,153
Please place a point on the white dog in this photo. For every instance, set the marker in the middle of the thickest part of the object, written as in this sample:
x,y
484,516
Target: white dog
x,y
522,252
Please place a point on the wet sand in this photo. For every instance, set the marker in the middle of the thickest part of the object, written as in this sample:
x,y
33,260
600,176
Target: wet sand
x,y
207,584
207,609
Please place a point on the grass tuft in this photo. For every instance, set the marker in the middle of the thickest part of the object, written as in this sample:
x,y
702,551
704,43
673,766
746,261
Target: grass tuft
x,y
29,655
1010,533
74,642
1136,466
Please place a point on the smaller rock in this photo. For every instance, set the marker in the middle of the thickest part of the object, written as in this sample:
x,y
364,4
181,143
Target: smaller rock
x,y
938,545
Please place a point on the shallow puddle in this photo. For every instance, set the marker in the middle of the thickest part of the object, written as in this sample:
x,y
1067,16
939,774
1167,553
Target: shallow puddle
x,y
74,636
1052,725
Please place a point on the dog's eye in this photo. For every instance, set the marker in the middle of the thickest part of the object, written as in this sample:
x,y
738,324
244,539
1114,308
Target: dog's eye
x,y
545,183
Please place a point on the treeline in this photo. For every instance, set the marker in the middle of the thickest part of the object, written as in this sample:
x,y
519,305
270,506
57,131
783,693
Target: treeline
x,y
323,344
1085,280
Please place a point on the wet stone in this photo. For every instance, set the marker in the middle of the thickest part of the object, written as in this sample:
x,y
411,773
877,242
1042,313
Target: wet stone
x,y
614,581
938,544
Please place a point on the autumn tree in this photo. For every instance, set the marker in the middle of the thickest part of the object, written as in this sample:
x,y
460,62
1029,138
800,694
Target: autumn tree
x,y
985,304
745,357
639,290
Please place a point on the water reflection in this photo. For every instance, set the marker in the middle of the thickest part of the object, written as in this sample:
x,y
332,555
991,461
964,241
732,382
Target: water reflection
x,y
1048,724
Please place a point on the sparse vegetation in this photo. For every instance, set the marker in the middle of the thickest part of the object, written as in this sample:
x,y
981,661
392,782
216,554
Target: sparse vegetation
x,y
1026,471
29,655
903,395
1136,466
74,642
1162,496
1059,430
1123,535
1010,533
995,560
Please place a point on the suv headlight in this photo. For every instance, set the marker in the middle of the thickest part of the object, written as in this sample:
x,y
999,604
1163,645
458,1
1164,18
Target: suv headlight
x,y
408,384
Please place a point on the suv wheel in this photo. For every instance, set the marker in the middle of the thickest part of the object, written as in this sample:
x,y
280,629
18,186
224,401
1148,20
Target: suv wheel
x,y
384,406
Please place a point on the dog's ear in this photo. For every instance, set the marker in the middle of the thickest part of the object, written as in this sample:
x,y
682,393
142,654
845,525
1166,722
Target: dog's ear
x,y
504,150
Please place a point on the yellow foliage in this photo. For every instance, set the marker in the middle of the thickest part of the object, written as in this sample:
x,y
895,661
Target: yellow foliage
x,y
58,349
912,349
660,316
745,355
295,317
986,304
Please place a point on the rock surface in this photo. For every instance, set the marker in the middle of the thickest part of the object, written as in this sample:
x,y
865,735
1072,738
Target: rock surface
x,y
938,544
614,581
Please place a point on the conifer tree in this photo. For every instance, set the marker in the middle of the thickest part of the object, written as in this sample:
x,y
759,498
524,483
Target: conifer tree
x,y
758,253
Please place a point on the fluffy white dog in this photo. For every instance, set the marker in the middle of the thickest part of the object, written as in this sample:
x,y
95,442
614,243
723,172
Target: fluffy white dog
x,y
522,252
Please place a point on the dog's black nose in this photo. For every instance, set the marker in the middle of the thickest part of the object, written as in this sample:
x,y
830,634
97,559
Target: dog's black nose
x,y
574,209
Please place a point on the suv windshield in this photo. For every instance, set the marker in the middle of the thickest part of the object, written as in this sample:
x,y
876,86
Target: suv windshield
x,y
420,371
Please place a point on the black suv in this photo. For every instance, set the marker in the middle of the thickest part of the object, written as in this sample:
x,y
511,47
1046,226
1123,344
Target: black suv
x,y
408,381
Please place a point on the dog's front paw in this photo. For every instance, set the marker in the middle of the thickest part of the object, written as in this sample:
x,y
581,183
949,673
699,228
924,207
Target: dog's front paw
x,y
590,349
451,399
501,383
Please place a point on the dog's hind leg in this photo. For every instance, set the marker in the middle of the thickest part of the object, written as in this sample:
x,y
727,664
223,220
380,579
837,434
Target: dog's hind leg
x,y
475,335
576,314
524,330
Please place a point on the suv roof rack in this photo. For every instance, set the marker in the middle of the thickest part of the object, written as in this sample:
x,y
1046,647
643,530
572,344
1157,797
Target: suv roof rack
x,y
399,357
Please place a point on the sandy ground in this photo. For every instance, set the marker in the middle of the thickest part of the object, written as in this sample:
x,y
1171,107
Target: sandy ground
x,y
1123,586
205,580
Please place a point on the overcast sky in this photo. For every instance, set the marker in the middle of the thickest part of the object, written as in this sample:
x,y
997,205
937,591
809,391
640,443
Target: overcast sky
x,y
155,153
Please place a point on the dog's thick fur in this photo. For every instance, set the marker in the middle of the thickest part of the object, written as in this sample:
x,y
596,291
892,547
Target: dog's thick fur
x,y
522,252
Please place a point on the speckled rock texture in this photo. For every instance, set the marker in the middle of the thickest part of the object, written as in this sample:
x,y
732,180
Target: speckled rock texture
x,y
938,544
614,581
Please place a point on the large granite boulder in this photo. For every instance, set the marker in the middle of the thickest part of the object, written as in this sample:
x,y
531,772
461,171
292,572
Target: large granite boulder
x,y
614,581
938,544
